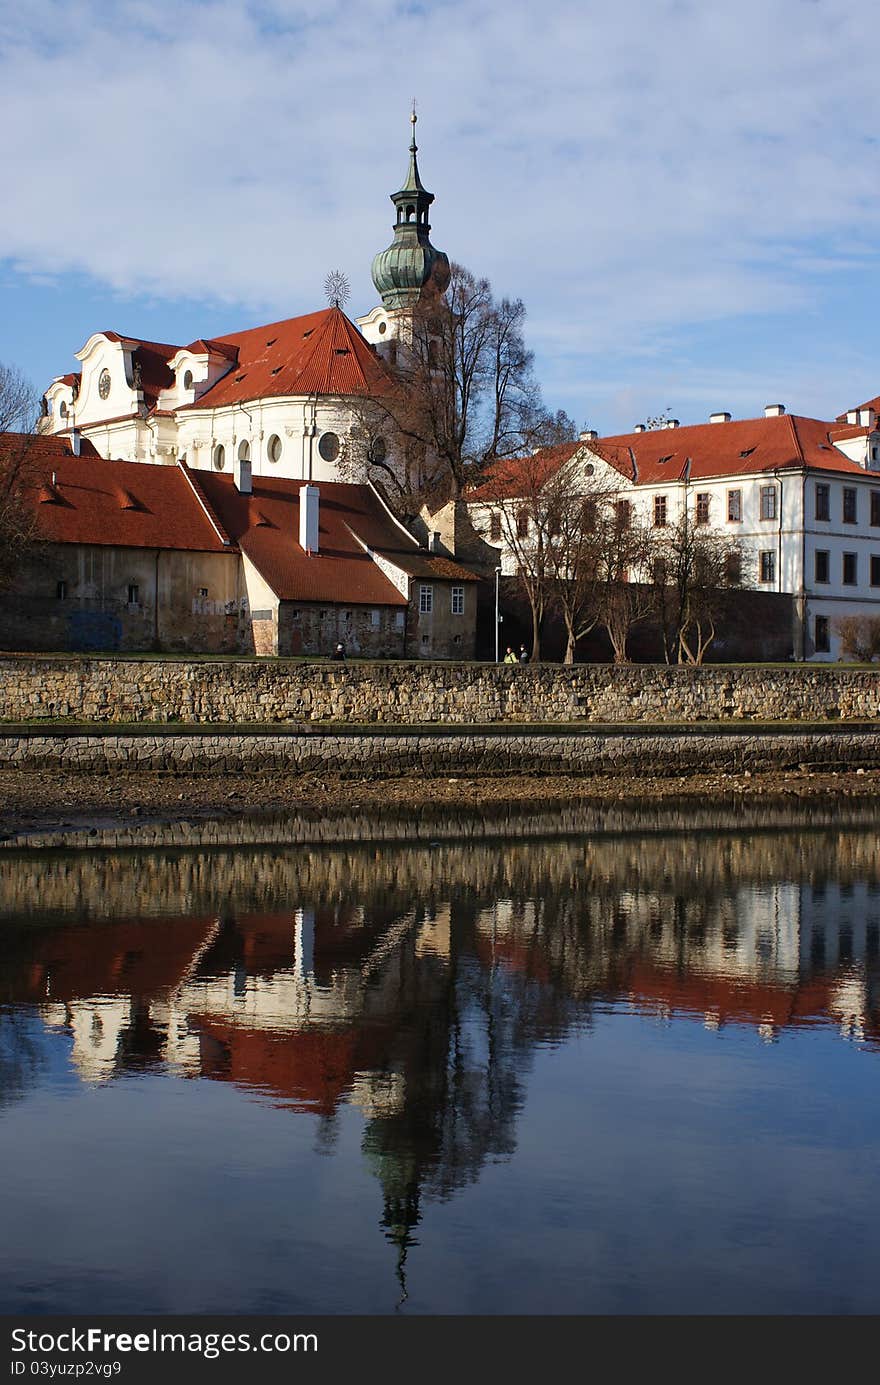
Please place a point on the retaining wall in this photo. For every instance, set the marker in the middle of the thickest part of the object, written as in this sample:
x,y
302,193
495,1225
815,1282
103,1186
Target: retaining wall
x,y
456,753
243,692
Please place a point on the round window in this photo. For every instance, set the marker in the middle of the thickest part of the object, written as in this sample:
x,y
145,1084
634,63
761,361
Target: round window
x,y
188,380
273,448
104,384
589,469
383,328
219,457
328,446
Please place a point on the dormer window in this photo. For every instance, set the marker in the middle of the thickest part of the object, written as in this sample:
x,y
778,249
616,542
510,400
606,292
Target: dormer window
x,y
62,409
104,384
187,380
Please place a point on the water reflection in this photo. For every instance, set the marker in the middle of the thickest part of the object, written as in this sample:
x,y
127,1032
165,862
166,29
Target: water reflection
x,y
416,983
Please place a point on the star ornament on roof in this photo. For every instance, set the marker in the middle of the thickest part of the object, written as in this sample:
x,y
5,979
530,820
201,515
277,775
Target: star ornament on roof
x,y
337,288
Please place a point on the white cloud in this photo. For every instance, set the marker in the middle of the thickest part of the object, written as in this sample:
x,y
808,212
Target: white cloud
x,y
630,168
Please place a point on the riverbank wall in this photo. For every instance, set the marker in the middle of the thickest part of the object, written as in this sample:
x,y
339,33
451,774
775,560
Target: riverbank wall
x,y
389,752
227,692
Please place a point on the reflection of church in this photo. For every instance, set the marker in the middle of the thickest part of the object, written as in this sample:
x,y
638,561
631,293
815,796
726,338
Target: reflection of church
x,y
327,978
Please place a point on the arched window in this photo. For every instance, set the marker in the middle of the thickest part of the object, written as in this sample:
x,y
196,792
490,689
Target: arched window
x,y
244,451
62,409
219,457
410,213
188,380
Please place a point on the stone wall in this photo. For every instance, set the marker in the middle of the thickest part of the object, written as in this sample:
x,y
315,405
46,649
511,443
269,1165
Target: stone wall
x,y
499,752
225,691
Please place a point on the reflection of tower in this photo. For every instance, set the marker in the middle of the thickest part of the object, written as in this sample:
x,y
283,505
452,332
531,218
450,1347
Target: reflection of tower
x,y
410,270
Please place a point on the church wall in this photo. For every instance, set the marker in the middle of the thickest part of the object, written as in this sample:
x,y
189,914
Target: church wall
x,y
77,597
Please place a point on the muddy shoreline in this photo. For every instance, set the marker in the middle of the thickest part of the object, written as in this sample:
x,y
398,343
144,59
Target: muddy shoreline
x,y
39,801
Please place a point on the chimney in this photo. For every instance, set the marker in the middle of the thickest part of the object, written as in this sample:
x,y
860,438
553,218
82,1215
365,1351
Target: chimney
x,y
75,441
308,518
242,475
672,423
852,416
719,418
640,428
588,435
774,410
866,418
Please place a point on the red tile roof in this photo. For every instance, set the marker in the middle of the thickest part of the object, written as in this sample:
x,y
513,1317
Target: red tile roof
x,y
868,404
41,448
124,504
518,476
740,448
153,358
321,353
420,564
265,525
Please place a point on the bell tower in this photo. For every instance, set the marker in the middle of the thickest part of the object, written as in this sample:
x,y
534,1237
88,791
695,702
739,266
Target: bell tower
x,y
410,269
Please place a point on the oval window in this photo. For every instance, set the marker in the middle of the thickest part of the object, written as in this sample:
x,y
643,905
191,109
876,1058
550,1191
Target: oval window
x,y
63,409
328,446
273,448
383,328
104,384
188,380
219,457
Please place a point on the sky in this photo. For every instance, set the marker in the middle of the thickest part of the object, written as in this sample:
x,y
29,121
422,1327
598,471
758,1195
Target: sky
x,y
683,194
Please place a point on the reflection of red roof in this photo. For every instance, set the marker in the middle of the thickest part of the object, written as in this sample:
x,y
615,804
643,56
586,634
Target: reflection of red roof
x,y
733,1000
311,1069
740,448
265,525
127,504
320,353
138,957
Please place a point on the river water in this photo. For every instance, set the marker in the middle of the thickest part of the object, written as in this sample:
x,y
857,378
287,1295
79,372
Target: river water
x,y
445,1066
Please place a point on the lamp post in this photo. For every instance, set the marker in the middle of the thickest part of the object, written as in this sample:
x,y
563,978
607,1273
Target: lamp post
x,y
497,616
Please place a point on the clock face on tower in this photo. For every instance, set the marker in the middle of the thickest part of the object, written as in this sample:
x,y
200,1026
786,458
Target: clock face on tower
x,y
104,384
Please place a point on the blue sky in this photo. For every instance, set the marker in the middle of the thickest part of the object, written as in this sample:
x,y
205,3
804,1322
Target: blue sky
x,y
684,194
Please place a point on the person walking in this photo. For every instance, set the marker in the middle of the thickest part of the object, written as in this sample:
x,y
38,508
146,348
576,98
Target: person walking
x,y
523,654
510,657
339,652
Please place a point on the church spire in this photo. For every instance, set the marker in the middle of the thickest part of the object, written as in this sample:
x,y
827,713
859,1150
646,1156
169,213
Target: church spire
x,y
410,267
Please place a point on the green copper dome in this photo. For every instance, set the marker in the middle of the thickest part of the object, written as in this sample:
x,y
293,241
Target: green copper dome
x,y
410,267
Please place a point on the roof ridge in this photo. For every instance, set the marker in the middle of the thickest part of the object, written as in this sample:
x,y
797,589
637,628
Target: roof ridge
x,y
206,505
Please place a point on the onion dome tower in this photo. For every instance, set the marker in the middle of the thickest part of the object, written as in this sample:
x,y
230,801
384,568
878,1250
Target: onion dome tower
x,y
410,268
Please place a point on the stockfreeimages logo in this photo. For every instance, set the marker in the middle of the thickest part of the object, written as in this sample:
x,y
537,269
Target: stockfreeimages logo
x,y
95,1341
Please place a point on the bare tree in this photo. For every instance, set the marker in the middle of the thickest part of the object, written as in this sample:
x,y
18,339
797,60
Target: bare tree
x,y
18,401
692,566
624,553
526,506
463,395
859,637
18,521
